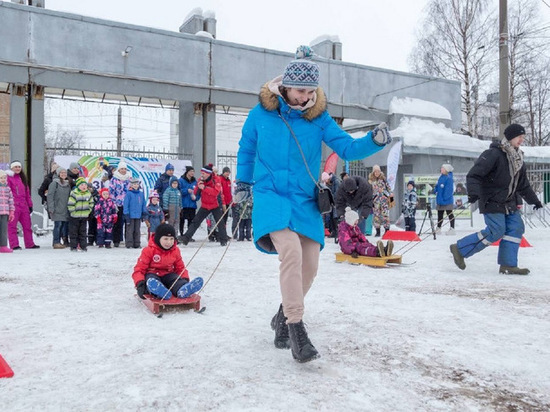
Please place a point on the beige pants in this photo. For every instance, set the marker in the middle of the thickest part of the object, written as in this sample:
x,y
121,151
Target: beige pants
x,y
299,257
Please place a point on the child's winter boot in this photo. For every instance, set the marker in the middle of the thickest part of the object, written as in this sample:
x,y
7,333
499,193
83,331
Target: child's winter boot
x,y
381,249
156,287
278,324
5,249
300,345
388,250
190,287
377,232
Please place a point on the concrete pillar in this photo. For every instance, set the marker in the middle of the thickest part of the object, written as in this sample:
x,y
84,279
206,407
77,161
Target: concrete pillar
x,y
37,166
209,133
193,24
18,121
190,140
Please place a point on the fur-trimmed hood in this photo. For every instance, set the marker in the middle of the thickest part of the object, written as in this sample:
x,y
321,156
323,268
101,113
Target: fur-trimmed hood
x,y
270,102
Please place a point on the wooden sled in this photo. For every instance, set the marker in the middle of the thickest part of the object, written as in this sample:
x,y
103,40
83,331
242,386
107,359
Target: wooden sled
x,y
156,305
369,261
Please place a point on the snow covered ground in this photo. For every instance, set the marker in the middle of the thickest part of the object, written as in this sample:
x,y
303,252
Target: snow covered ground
x,y
426,337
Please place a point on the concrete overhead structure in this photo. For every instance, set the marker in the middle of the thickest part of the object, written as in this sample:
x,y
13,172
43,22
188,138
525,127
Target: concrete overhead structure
x,y
50,52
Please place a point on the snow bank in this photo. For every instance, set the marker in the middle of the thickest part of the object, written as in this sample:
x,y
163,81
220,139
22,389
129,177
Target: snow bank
x,y
417,107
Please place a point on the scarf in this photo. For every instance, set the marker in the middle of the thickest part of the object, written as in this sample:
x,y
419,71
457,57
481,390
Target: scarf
x,y
515,163
120,176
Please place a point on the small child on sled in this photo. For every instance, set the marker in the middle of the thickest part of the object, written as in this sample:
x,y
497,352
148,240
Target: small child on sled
x,y
160,270
353,242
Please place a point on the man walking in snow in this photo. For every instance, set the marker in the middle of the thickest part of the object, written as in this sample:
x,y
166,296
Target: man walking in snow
x,y
496,178
283,132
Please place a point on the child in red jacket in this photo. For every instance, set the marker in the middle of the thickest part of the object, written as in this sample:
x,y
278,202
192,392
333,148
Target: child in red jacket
x,y
160,270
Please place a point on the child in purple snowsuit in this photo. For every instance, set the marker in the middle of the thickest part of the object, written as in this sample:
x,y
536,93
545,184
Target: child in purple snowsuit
x,y
7,210
353,242
105,212
17,181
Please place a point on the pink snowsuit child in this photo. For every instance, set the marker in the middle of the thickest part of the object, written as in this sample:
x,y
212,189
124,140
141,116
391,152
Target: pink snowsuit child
x,y
353,242
7,210
17,182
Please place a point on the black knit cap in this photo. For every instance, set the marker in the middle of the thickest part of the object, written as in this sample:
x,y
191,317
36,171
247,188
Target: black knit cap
x,y
350,185
188,168
411,182
164,229
514,130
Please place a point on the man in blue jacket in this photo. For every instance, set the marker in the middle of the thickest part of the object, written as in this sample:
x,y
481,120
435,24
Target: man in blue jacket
x,y
496,179
280,154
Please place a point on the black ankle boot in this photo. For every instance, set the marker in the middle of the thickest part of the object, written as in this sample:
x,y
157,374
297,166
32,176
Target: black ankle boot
x,y
278,324
300,345
377,232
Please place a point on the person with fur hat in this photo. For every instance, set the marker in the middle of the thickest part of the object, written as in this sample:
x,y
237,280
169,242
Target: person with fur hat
x,y
155,215
353,242
355,192
135,211
498,179
382,197
160,270
7,212
210,191
19,186
163,183
80,205
444,198
408,207
188,199
118,187
283,132
105,212
58,193
171,202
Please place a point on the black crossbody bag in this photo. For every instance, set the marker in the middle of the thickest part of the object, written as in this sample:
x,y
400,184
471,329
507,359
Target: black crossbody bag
x,y
325,200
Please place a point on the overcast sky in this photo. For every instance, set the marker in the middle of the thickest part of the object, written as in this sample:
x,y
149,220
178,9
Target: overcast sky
x,y
376,33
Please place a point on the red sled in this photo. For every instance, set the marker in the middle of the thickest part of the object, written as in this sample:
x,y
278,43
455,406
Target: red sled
x,y
156,305
5,370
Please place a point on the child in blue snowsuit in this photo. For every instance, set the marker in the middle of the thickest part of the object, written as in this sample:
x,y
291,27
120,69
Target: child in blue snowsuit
x,y
134,211
155,215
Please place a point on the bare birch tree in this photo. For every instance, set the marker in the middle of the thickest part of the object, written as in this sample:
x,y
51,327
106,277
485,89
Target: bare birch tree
x,y
456,43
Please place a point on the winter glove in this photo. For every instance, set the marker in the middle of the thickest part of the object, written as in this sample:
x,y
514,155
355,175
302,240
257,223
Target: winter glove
x,y
243,192
148,224
11,217
354,254
381,135
141,289
166,215
472,199
127,218
538,206
30,210
115,219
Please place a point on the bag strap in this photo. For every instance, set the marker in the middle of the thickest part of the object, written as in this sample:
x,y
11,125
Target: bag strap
x,y
301,151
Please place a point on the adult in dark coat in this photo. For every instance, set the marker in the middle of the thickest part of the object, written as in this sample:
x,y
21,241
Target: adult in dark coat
x,y
163,181
43,189
355,192
496,178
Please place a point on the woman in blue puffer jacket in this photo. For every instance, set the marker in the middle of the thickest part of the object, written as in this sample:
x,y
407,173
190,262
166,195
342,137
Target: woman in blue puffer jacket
x,y
286,217
444,200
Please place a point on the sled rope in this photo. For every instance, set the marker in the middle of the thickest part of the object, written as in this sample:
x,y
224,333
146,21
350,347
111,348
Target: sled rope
x,y
409,247
202,244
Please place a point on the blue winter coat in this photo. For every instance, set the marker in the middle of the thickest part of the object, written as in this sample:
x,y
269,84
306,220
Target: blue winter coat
x,y
444,190
134,204
268,157
186,201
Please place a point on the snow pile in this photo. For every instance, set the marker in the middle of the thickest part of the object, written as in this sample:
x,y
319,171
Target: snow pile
x,y
427,134
423,337
417,107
